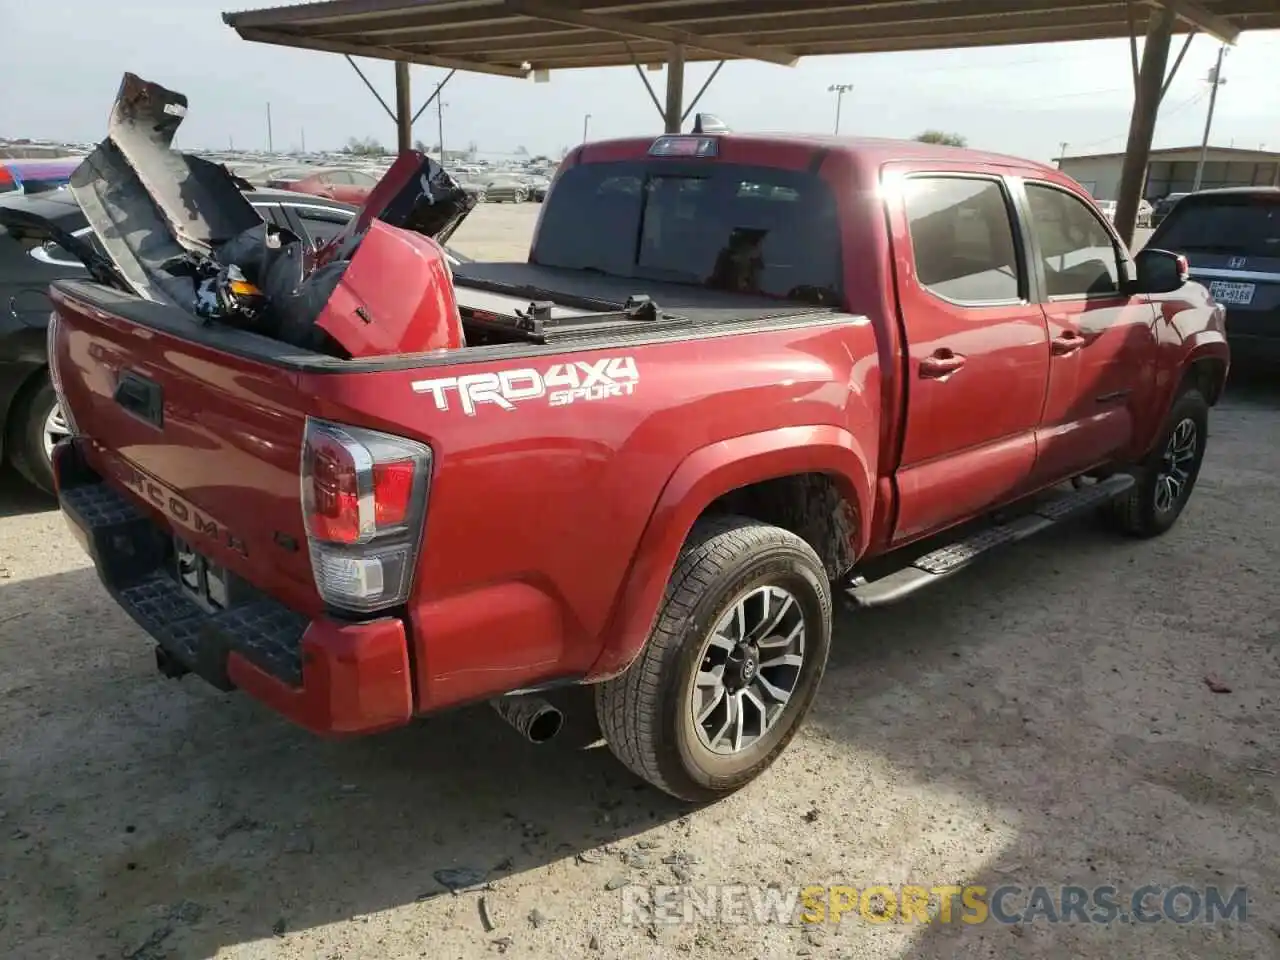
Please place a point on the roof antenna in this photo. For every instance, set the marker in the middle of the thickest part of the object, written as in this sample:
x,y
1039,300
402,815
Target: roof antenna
x,y
709,123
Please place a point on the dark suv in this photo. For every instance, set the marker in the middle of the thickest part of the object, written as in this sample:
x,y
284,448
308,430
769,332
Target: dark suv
x,y
1232,239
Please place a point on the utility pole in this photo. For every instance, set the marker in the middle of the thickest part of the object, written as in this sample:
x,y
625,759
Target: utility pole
x,y
304,139
1216,79
270,143
839,89
1062,152
440,105
586,121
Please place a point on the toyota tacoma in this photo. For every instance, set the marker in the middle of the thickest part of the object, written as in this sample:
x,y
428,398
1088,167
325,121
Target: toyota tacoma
x,y
737,377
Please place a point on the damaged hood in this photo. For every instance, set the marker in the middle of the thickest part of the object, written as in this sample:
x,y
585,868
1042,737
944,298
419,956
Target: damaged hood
x,y
158,211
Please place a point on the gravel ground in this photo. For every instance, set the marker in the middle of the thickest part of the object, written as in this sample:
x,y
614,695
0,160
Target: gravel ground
x,y
1043,719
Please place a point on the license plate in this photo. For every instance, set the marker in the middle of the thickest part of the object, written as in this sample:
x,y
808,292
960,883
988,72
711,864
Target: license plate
x,y
1226,292
202,580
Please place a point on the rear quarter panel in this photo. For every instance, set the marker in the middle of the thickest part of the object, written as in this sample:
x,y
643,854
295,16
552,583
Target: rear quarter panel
x,y
536,512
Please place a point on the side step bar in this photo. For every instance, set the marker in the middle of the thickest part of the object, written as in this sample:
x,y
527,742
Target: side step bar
x,y
943,562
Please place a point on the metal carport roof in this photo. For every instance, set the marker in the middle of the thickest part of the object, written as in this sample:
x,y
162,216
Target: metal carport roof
x,y
515,37
519,38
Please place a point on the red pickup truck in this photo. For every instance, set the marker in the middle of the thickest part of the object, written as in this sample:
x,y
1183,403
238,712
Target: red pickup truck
x,y
736,377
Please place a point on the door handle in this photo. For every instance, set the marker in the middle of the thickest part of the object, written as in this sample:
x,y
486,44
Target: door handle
x,y
942,363
1069,342
141,397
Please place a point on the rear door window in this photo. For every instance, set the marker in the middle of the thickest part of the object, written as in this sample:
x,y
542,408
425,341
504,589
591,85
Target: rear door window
x,y
718,225
1243,225
962,239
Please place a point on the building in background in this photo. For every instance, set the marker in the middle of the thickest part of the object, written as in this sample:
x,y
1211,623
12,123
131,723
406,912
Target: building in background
x,y
1174,170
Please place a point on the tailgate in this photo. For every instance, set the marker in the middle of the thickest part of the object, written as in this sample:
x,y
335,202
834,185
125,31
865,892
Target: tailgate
x,y
209,442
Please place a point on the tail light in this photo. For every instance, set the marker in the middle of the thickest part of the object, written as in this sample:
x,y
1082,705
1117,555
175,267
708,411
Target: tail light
x,y
364,496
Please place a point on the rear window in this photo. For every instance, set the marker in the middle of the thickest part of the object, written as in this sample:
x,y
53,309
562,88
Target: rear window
x,y
724,226
1245,225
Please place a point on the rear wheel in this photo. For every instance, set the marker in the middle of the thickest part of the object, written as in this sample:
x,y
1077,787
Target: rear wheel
x,y
1168,475
732,665
36,423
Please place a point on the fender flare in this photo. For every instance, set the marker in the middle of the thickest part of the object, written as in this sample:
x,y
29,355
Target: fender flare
x,y
1201,345
702,477
1206,345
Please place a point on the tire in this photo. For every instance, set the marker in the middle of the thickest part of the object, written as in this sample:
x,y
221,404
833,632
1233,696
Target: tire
x,y
28,421
647,714
1146,511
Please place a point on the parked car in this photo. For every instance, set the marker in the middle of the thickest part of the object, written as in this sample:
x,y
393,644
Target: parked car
x,y
537,187
896,359
33,175
506,190
1231,237
336,183
1162,207
473,187
30,259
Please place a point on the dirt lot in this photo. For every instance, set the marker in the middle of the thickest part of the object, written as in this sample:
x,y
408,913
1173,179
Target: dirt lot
x,y
1043,719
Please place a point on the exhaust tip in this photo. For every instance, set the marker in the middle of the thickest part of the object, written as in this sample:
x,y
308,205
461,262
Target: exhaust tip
x,y
532,717
545,725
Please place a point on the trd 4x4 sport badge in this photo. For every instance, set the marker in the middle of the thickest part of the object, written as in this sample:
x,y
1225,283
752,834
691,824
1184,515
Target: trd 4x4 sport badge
x,y
561,384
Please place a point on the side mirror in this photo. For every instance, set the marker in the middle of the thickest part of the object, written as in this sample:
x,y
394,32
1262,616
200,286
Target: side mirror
x,y
1159,271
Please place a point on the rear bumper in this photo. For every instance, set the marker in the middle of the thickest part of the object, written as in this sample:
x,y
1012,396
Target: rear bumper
x,y
331,677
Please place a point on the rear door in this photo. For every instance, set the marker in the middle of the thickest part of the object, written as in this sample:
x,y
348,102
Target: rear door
x,y
1102,341
1232,241
977,350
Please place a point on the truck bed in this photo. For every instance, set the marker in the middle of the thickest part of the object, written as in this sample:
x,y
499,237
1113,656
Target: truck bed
x,y
587,311
579,292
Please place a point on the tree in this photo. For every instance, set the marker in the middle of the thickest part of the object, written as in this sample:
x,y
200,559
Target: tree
x,y
368,147
522,151
420,146
944,138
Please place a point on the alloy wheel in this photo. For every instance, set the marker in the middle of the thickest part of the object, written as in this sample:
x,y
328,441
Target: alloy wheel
x,y
749,667
1177,465
55,428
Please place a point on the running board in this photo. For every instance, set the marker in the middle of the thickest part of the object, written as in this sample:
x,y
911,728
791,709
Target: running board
x,y
942,563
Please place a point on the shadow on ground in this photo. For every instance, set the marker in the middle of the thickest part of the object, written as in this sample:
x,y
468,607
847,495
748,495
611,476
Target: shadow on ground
x,y
1062,688
1051,702
18,498
251,803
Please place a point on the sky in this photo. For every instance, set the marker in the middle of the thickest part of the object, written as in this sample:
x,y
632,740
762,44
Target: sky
x,y
1021,100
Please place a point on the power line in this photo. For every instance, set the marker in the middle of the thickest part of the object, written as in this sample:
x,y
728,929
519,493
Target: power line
x,y
1164,113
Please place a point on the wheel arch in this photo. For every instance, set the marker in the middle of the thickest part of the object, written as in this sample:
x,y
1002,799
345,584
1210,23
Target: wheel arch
x,y
12,391
752,475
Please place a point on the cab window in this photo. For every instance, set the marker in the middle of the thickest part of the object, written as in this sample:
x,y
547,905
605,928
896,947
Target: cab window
x,y
1078,253
962,240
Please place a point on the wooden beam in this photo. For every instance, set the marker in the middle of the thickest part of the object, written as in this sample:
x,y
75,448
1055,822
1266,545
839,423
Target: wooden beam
x,y
1205,21
730,49
377,52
